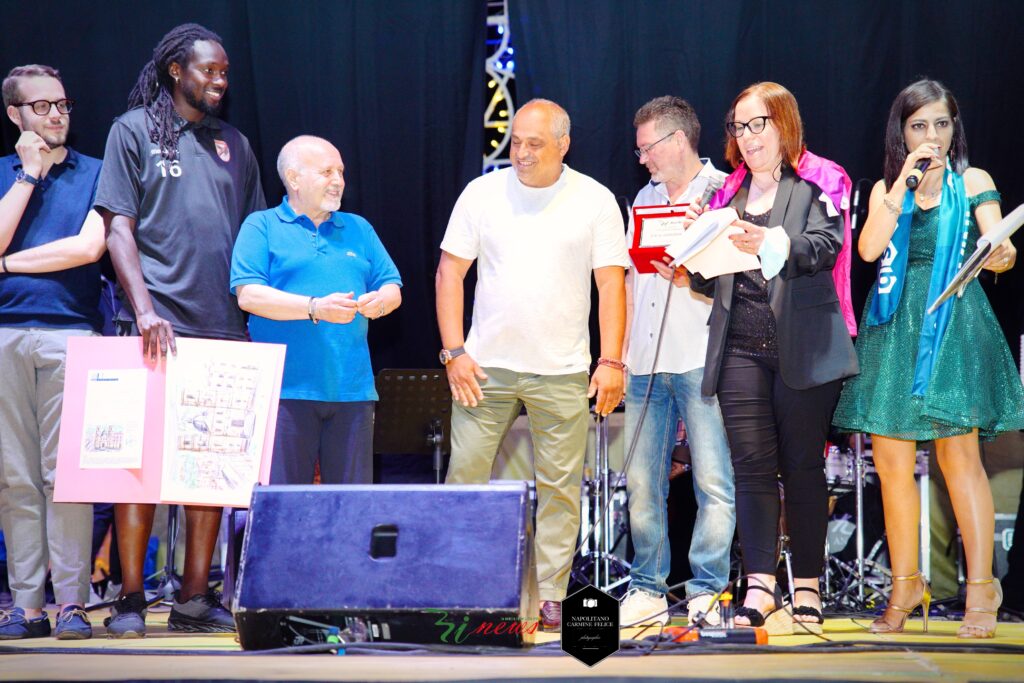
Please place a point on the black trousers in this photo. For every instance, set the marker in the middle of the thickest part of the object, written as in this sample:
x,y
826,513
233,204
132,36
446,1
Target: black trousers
x,y
336,435
775,431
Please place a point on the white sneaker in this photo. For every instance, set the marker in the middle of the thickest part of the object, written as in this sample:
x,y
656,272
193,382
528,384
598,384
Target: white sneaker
x,y
641,608
699,604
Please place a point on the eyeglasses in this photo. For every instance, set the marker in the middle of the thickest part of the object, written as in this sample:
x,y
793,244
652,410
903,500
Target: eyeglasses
x,y
754,125
42,107
640,151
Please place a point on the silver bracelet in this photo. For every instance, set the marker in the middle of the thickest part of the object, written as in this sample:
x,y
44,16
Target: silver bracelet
x,y
893,209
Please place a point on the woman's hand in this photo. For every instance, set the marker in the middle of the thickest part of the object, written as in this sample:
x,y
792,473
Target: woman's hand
x,y
749,241
927,150
692,213
1002,259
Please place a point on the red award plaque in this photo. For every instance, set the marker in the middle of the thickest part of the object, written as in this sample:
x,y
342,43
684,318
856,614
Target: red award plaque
x,y
654,228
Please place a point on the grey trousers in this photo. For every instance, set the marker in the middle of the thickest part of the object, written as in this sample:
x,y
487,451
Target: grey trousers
x,y
38,532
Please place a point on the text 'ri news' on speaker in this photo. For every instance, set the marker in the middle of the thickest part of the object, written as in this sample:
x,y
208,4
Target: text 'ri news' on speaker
x,y
387,563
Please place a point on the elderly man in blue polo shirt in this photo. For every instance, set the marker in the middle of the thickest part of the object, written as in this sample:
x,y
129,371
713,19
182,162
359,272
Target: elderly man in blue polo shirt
x,y
313,277
50,240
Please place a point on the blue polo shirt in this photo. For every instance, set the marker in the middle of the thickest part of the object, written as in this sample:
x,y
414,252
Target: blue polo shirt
x,y
277,248
57,209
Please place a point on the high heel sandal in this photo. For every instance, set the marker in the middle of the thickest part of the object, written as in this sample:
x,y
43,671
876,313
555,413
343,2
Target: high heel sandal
x,y
880,625
777,622
976,630
801,627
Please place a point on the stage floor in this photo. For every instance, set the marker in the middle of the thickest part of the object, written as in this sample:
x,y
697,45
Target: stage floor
x,y
914,656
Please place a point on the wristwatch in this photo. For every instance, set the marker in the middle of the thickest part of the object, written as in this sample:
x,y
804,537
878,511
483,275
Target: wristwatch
x,y
448,355
23,177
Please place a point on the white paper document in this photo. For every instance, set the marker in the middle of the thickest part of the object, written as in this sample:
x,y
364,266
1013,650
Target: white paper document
x,y
115,412
705,247
660,231
218,401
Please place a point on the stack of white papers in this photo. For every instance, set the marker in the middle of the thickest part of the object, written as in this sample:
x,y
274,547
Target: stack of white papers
x,y
705,247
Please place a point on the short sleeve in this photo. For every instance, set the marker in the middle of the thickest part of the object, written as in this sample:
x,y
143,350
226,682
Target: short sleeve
x,y
609,245
462,237
250,259
119,189
255,200
382,268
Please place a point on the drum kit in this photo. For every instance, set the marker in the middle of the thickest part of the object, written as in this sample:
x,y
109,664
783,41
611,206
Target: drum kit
x,y
850,583
864,581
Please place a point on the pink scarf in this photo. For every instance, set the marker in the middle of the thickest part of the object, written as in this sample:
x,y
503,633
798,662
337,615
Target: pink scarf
x,y
836,185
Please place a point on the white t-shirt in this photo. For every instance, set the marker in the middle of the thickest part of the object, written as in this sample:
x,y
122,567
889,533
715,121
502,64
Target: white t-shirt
x,y
535,249
684,342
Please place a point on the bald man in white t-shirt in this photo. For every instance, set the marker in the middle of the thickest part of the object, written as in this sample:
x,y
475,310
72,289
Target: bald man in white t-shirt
x,y
537,231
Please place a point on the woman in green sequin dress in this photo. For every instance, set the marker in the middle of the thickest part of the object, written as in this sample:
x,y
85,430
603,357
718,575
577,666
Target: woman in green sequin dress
x,y
972,390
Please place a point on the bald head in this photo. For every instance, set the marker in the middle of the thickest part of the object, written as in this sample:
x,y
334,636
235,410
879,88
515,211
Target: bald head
x,y
556,115
295,149
539,142
313,175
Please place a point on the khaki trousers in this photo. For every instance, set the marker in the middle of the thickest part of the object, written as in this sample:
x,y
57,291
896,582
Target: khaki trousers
x,y
556,406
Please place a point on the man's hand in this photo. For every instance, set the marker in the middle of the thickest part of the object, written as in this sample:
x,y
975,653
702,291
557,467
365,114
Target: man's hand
x,y
463,375
606,384
30,148
371,305
679,276
157,336
337,308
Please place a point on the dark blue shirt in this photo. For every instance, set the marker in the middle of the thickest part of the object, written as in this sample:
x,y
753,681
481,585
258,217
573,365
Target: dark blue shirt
x,y
57,209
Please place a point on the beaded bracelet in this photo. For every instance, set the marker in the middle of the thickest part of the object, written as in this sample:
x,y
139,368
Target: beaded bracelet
x,y
612,363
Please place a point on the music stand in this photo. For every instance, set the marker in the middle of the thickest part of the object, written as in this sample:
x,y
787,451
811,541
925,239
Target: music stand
x,y
413,414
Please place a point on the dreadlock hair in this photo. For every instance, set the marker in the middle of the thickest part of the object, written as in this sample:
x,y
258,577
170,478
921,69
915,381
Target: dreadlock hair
x,y
154,88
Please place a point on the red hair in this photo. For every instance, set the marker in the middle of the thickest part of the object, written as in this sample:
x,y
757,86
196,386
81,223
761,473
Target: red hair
x,y
785,115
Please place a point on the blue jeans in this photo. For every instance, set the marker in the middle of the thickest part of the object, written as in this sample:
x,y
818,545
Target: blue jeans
x,y
675,396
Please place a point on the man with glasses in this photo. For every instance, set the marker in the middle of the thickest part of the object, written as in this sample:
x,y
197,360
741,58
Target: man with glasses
x,y
50,240
667,135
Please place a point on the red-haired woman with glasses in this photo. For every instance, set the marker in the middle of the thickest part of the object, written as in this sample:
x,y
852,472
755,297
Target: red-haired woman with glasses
x,y
780,345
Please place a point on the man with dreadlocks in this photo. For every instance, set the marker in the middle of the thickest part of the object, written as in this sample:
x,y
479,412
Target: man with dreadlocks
x,y
175,187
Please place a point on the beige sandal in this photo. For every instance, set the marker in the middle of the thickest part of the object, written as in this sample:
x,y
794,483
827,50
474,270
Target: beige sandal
x,y
977,630
880,625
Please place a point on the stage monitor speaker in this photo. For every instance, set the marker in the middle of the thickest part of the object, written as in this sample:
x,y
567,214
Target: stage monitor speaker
x,y
391,563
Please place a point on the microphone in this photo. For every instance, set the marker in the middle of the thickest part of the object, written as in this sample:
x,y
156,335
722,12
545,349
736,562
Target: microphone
x,y
914,177
713,186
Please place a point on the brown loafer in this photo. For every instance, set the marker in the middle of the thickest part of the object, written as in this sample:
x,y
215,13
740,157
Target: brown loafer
x,y
551,615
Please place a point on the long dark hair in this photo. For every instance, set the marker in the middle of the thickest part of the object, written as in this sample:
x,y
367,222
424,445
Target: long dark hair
x,y
154,88
910,99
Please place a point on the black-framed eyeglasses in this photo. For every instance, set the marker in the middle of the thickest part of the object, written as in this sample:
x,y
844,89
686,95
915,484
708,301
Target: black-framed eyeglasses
x,y
43,107
754,125
640,151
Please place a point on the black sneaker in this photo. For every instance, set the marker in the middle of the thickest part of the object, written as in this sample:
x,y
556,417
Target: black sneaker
x,y
127,617
203,613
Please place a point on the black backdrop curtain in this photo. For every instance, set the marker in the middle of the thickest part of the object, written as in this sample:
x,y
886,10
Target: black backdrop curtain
x,y
844,61
396,86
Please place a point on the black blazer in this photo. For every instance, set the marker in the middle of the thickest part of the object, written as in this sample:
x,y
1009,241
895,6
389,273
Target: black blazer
x,y
814,344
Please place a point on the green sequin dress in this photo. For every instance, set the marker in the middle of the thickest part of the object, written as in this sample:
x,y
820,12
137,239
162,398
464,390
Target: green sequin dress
x,y
974,382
